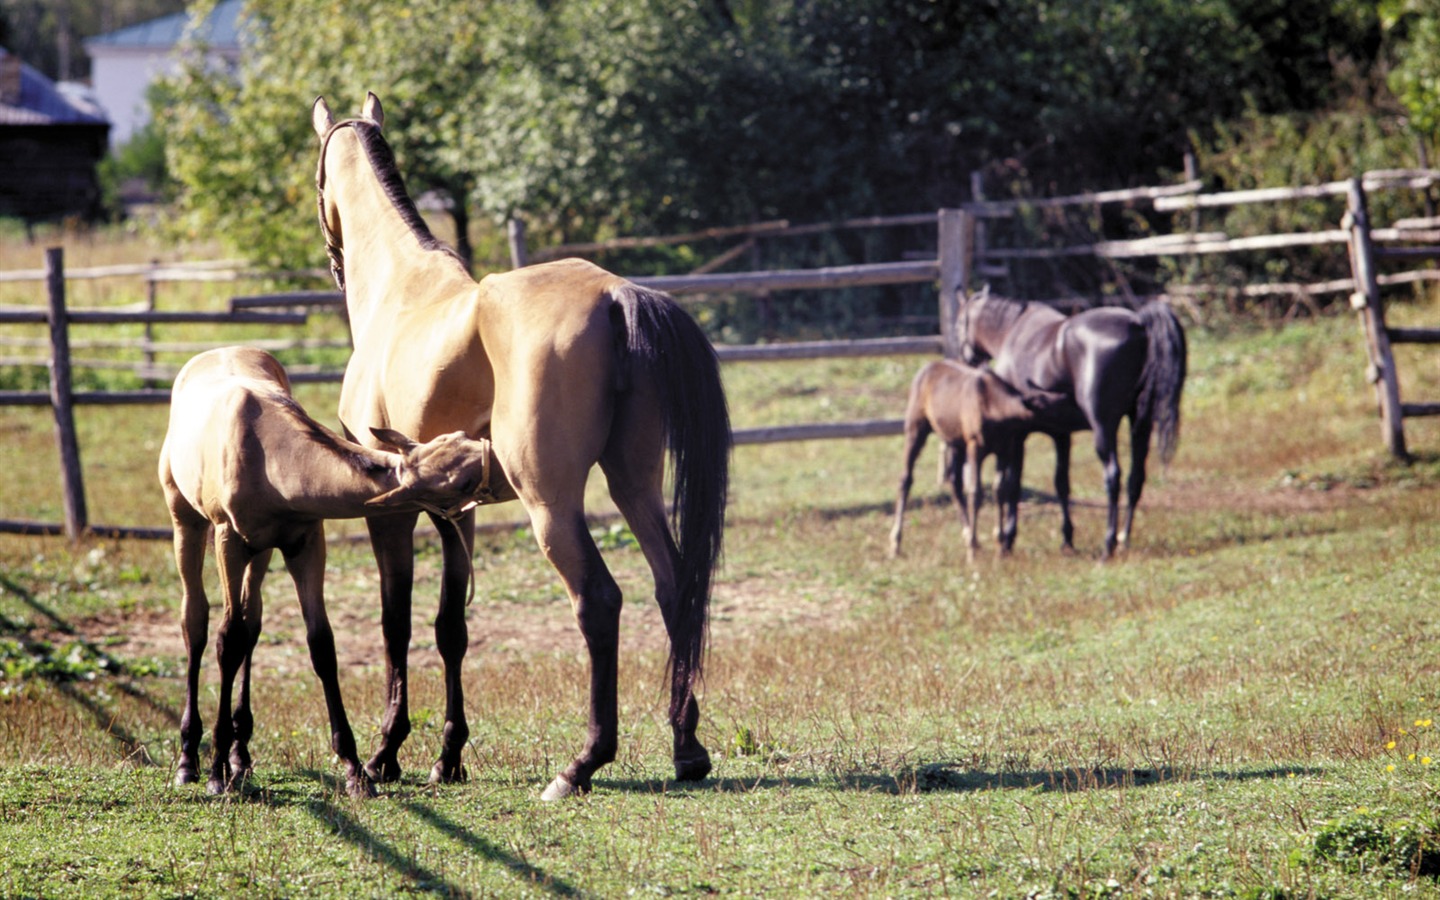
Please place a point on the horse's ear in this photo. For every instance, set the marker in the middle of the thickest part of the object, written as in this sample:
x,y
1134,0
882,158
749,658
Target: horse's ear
x,y
320,116
394,438
372,110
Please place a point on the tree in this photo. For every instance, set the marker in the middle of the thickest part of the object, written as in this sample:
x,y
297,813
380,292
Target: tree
x,y
592,118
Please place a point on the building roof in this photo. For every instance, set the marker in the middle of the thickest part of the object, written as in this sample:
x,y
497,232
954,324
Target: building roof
x,y
29,98
221,28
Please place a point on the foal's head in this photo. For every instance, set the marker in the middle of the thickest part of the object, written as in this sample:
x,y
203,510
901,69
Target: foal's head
x,y
447,475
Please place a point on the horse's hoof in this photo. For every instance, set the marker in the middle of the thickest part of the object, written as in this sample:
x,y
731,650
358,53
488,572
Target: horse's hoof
x,y
443,774
693,768
382,772
360,787
559,789
216,786
185,775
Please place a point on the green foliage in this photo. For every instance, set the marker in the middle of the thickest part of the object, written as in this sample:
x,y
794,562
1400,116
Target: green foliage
x,y
1414,26
645,116
1369,839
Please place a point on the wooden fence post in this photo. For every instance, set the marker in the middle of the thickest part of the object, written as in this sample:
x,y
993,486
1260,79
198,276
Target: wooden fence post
x,y
1366,300
956,245
519,254
62,397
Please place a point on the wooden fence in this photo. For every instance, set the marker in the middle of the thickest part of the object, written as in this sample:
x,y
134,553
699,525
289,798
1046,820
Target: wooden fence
x,y
961,259
1382,372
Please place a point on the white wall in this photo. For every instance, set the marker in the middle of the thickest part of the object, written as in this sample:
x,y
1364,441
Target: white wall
x,y
122,75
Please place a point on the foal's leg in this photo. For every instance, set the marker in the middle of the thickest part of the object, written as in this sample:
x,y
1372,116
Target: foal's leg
x,y
451,640
916,432
190,531
393,540
1135,484
306,561
970,501
243,720
233,644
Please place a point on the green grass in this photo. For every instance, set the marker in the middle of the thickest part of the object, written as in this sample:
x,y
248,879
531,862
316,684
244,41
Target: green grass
x,y
1242,706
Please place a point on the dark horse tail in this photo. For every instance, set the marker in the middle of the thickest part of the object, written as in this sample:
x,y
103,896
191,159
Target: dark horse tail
x,y
663,340
1163,377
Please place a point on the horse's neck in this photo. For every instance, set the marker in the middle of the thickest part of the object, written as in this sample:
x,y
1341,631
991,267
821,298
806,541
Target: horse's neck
x,y
386,265
328,477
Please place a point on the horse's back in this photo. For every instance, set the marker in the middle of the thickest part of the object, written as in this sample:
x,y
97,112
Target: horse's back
x,y
218,401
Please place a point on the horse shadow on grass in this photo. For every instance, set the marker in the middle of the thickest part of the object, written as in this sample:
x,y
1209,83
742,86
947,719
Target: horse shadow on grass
x,y
330,810
66,680
946,778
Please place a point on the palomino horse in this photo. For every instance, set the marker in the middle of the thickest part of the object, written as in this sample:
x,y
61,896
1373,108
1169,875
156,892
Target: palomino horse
x,y
1114,362
241,457
561,366
972,410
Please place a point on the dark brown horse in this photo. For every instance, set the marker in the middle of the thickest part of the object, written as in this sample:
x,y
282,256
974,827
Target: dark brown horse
x,y
562,366
1116,363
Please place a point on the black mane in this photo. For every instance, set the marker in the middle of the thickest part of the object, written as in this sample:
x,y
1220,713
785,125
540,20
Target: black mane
x,y
382,161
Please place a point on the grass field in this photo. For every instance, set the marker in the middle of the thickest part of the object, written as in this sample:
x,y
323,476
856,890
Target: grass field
x,y
1242,706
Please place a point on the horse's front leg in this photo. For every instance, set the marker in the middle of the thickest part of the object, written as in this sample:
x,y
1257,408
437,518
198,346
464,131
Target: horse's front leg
x,y
1009,468
393,540
451,640
1062,491
305,558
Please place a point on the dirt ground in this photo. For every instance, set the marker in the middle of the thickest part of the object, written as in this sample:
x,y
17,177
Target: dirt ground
x,y
497,625
739,606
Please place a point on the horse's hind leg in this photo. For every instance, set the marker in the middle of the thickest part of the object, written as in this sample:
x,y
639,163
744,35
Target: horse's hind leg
x,y
306,561
1105,441
190,531
1135,484
451,640
233,644
393,540
916,431
561,531
242,719
643,507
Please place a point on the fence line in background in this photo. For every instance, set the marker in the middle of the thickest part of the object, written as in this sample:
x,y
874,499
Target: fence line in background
x,y
961,254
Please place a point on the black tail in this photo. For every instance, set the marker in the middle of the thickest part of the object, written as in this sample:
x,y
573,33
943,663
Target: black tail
x,y
663,340
1163,378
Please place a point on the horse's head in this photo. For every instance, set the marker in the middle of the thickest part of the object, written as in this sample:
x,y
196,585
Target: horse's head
x,y
371,114
447,475
971,306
